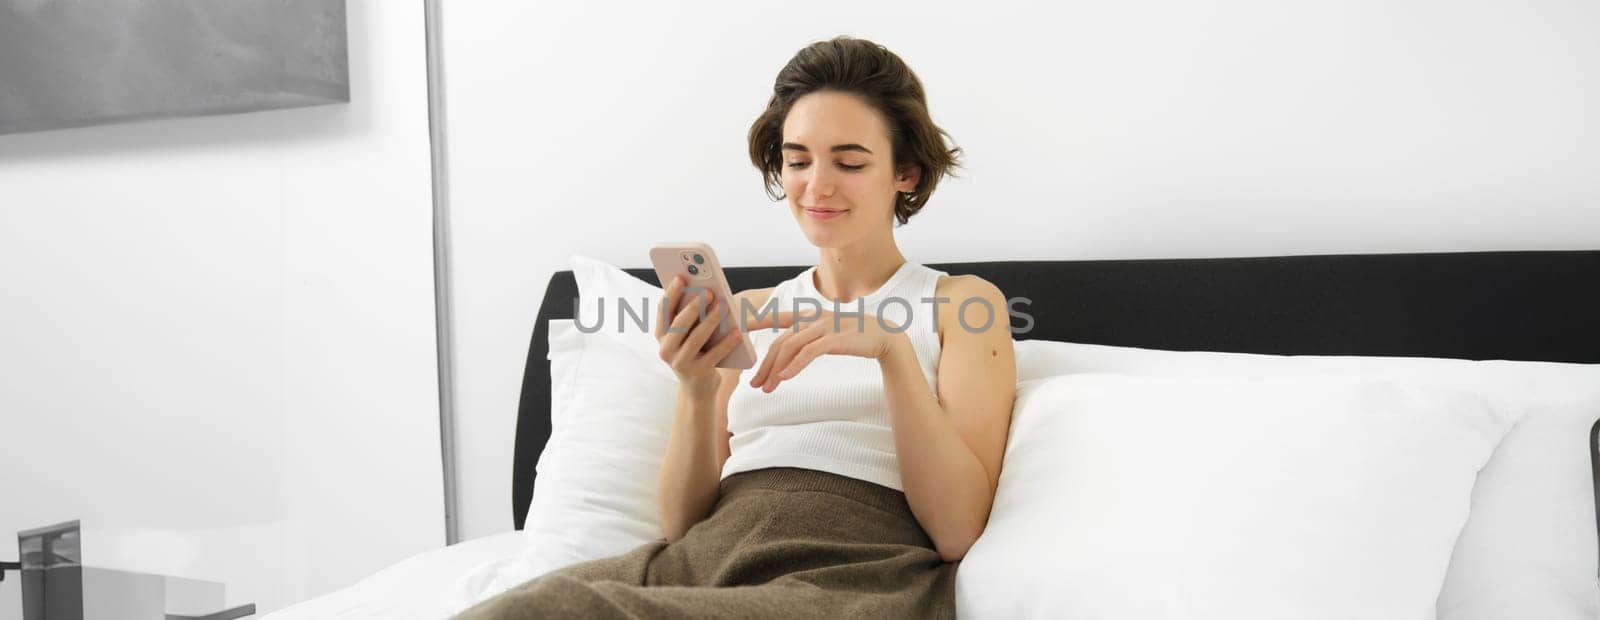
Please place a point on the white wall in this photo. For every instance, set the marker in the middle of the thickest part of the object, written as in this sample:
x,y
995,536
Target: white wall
x,y
217,338
1092,130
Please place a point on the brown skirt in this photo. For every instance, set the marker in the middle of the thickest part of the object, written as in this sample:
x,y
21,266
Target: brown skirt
x,y
781,542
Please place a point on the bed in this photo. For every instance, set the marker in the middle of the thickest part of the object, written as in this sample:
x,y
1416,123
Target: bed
x,y
1514,305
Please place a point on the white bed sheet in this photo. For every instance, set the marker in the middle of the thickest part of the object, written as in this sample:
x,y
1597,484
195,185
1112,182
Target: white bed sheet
x,y
433,584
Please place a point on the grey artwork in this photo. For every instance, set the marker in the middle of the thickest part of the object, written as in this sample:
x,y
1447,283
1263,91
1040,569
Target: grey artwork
x,y
70,63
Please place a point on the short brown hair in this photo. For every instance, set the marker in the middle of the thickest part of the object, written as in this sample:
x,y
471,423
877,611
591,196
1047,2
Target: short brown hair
x,y
880,78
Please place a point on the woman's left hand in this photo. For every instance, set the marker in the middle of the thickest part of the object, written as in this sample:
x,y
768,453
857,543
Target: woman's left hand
x,y
821,332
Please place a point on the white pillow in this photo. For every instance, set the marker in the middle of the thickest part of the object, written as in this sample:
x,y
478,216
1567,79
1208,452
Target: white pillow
x,y
612,402
624,299
1148,497
594,494
1529,549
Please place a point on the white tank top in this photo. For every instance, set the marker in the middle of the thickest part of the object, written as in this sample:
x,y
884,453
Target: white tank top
x,y
833,416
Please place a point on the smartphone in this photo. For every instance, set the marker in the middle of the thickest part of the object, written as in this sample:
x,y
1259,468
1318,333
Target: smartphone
x,y
701,271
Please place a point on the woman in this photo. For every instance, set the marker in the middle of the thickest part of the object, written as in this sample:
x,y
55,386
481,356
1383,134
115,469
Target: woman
x,y
855,489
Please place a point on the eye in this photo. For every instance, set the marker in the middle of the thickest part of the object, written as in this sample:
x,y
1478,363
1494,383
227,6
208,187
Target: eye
x,y
802,164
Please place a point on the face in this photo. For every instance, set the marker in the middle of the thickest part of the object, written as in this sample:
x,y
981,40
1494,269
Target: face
x,y
838,171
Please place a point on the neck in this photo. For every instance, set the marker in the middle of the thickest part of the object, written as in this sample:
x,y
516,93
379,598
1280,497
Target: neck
x,y
844,274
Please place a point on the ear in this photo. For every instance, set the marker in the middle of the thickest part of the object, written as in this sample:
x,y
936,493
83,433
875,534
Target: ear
x,y
907,178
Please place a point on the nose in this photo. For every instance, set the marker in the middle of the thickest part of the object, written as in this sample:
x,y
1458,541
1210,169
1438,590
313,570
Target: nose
x,y
820,183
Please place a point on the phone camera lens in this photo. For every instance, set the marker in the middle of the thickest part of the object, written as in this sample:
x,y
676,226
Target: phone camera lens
x,y
693,270
699,259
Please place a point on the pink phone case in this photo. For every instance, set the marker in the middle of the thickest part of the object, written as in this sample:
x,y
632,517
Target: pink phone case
x,y
701,270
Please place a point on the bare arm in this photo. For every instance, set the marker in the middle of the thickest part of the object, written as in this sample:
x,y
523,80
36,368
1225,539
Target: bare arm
x,y
697,447
950,448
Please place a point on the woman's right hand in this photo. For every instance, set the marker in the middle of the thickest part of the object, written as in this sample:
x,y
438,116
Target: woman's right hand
x,y
694,321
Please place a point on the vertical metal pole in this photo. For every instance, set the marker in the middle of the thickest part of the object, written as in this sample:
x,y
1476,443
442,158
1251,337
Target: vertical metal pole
x,y
1594,462
441,268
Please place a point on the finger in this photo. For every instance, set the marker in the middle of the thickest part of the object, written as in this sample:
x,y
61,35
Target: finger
x,y
692,292
693,335
679,329
766,362
786,355
726,345
803,357
669,304
701,333
691,310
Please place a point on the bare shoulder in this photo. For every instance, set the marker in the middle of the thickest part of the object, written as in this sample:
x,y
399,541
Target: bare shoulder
x,y
980,297
965,286
756,296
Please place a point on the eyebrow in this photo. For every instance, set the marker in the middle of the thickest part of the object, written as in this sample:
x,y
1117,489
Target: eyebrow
x,y
791,146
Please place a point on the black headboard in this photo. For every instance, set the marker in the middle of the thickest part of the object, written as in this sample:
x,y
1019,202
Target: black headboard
x,y
1539,305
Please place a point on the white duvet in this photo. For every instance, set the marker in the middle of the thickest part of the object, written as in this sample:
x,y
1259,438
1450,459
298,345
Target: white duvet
x,y
433,584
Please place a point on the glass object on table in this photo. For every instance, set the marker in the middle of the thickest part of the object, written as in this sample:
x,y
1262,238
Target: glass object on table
x,y
56,585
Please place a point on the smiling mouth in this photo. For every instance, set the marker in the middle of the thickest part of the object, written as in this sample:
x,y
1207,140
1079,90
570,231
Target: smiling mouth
x,y
825,214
